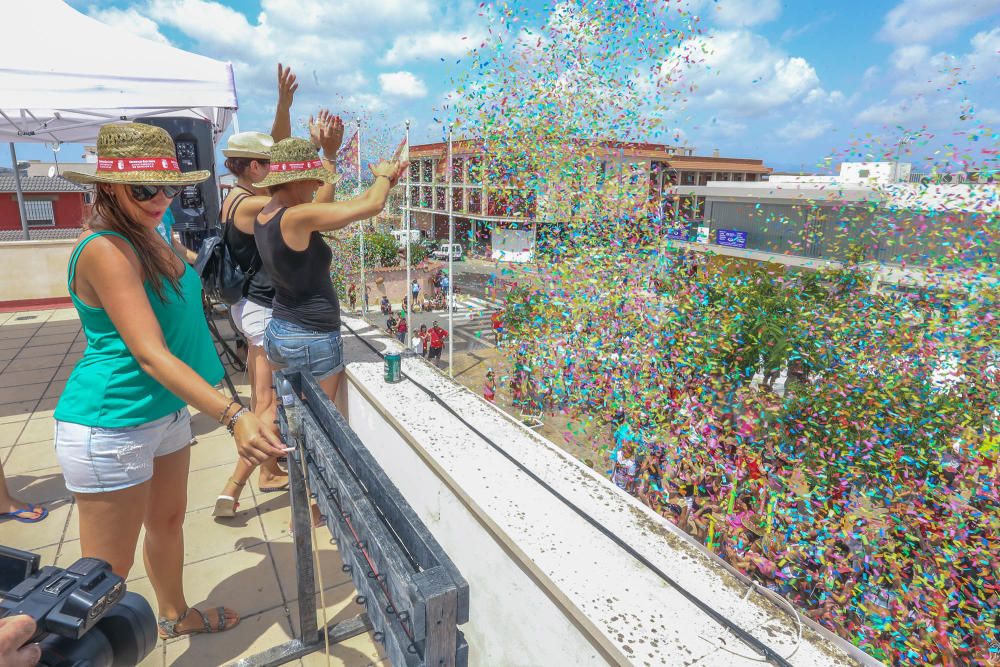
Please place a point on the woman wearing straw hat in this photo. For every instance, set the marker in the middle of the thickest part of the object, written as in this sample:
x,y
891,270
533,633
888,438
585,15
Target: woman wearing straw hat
x,y
122,425
247,157
304,332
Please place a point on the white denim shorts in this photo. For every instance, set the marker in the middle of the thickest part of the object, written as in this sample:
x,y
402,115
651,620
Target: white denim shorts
x,y
99,460
251,319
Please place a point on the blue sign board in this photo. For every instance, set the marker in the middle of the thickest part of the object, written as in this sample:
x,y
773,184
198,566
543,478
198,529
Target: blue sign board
x,y
677,234
731,238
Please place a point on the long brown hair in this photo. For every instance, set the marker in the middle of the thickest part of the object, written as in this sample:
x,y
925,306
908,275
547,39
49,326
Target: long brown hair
x,y
157,263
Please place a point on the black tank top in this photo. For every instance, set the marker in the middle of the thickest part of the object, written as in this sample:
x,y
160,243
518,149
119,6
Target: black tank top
x,y
304,293
244,250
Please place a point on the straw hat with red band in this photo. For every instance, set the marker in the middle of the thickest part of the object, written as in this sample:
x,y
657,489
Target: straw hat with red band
x,y
136,153
295,159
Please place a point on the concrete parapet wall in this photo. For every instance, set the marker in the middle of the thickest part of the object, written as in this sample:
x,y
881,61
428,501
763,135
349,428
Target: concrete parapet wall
x,y
34,270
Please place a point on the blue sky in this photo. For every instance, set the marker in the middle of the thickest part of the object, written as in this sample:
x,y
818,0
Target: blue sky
x,y
792,82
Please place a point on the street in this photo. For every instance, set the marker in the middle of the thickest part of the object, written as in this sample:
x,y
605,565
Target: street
x,y
473,308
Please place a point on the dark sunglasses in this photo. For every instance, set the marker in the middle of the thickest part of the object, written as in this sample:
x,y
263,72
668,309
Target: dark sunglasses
x,y
147,192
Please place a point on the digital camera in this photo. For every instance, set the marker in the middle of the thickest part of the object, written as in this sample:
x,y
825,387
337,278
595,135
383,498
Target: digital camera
x,y
83,615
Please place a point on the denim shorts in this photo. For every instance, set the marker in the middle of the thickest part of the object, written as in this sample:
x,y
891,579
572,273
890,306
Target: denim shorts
x,y
251,319
290,346
98,460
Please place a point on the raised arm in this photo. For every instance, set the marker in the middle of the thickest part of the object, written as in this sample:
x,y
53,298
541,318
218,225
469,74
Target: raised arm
x,y
319,217
326,133
287,85
118,285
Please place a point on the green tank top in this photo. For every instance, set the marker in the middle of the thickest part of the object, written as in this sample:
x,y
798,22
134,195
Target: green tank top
x,y
108,388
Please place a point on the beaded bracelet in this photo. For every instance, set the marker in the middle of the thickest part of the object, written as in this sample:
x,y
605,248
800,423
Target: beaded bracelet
x,y
222,415
231,426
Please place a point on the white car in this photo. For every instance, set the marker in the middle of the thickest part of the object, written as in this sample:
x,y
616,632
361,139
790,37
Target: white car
x,y
453,249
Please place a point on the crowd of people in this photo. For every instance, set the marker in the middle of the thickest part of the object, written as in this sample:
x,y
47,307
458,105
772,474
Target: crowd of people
x,y
122,425
866,492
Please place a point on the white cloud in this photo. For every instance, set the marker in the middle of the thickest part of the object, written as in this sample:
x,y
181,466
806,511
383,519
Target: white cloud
x,y
741,73
804,129
432,45
402,84
731,13
343,17
919,21
741,13
131,21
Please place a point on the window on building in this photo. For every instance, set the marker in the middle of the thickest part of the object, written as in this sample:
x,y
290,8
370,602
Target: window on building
x,y
425,197
40,213
704,177
738,177
458,199
458,170
475,201
415,171
688,177
723,176
426,171
439,199
415,196
475,171
751,178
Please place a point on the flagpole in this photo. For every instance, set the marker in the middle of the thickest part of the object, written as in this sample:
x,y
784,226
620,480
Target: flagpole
x,y
407,290
451,256
361,244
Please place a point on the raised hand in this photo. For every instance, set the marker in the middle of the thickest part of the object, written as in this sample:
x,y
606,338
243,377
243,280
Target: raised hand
x,y
326,132
287,85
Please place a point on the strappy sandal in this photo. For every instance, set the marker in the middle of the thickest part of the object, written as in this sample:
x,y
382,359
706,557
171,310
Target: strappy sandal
x,y
226,506
168,627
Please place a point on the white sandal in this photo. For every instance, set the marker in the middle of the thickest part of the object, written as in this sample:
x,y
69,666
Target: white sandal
x,y
226,506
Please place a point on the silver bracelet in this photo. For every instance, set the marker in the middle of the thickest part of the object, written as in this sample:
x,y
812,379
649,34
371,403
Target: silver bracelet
x,y
231,426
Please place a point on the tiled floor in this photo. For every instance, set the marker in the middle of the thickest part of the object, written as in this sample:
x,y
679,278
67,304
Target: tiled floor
x,y
246,563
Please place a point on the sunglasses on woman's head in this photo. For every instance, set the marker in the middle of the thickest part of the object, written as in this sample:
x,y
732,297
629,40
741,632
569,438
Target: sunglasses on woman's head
x,y
147,192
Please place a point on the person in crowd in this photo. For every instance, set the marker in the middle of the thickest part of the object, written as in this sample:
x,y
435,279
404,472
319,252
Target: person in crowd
x,y
417,343
12,508
352,296
496,321
122,427
304,332
490,386
625,468
385,306
391,324
247,158
415,291
425,339
401,328
436,336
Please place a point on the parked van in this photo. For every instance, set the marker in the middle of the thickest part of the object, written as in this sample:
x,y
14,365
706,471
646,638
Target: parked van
x,y
454,250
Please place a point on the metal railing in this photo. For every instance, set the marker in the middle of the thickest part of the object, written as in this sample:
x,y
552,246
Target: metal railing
x,y
415,597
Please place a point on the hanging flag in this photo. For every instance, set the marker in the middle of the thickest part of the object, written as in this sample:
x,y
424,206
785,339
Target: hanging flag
x,y
350,158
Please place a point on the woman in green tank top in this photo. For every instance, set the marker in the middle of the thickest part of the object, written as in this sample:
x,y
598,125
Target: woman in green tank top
x,y
122,425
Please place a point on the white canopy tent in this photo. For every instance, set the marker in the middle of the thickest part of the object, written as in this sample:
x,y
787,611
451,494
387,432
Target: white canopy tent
x,y
64,74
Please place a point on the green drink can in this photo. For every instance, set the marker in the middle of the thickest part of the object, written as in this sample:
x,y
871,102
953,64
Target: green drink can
x,y
393,368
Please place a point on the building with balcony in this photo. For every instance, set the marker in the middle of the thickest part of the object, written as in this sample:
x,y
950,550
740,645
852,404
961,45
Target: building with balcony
x,y
500,217
815,219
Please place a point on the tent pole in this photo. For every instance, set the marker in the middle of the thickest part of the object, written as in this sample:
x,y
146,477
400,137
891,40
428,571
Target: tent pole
x,y
20,193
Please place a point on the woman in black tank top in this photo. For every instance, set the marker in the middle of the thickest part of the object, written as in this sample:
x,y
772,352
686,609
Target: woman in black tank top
x,y
304,332
248,155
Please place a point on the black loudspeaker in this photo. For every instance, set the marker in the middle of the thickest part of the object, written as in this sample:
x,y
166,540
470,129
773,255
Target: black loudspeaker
x,y
196,208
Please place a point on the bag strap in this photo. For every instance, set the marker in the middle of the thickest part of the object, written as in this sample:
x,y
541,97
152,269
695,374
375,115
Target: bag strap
x,y
256,262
